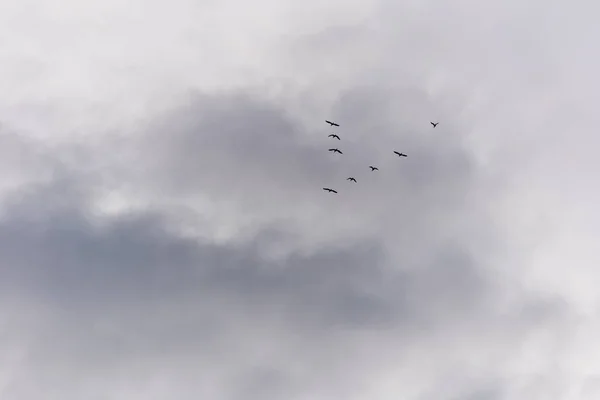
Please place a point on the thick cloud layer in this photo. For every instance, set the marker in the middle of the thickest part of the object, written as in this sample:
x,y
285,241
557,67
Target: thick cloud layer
x,y
123,298
164,232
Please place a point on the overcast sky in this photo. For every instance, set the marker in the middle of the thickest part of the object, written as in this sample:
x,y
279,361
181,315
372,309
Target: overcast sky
x,y
164,233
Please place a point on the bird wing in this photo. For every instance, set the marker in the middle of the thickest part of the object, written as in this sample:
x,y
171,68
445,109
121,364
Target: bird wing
x,y
397,152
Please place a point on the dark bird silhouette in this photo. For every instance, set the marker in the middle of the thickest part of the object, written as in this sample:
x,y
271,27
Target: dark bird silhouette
x,y
330,190
434,124
331,123
336,151
333,135
351,179
400,154
373,168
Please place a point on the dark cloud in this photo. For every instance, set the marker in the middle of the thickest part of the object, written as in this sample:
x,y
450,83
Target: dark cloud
x,y
255,161
250,153
140,257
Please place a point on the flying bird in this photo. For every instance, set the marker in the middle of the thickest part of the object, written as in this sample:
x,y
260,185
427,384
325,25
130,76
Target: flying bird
x,y
351,179
434,124
331,123
336,151
373,168
333,135
400,154
330,190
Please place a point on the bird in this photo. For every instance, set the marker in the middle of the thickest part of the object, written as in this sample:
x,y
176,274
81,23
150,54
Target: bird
x,y
351,179
434,124
400,154
330,190
336,151
333,135
331,123
373,168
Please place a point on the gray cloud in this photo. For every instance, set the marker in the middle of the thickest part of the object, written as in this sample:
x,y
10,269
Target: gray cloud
x,y
227,273
138,256
228,147
130,293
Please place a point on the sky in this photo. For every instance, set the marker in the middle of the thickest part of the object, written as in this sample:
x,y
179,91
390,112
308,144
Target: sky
x,y
164,233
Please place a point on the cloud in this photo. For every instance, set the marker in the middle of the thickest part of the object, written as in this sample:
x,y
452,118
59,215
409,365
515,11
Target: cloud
x,y
164,233
135,299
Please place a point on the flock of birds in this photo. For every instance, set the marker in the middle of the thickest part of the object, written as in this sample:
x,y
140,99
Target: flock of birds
x,y
336,150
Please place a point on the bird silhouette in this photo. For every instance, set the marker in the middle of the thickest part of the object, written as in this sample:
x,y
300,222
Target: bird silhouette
x,y
336,151
330,190
333,135
351,179
434,124
331,123
373,168
400,154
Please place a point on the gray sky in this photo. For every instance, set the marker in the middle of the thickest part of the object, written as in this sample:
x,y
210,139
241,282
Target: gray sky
x,y
164,235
